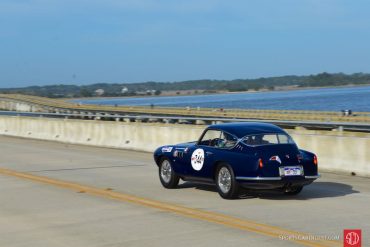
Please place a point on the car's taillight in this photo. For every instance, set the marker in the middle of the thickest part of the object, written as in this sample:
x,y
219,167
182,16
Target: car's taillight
x,y
315,160
260,163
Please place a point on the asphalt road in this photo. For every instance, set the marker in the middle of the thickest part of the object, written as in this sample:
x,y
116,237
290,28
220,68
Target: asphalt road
x,y
123,203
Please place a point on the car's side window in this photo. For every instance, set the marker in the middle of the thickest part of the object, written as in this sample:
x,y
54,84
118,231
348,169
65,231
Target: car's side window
x,y
261,139
285,139
267,139
218,139
227,141
211,138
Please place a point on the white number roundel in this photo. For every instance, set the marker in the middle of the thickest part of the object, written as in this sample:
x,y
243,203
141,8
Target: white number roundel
x,y
197,159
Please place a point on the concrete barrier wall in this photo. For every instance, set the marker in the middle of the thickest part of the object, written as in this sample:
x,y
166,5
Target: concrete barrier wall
x,y
344,152
16,106
134,136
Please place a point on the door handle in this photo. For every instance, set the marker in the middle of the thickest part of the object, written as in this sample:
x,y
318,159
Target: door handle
x,y
209,153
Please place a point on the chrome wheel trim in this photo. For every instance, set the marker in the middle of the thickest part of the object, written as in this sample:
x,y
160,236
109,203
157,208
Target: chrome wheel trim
x,y
166,171
224,180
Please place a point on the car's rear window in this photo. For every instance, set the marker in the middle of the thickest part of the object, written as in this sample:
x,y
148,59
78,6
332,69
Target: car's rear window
x,y
267,139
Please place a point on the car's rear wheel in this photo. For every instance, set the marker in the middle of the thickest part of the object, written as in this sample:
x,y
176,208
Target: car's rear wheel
x,y
293,190
226,184
167,175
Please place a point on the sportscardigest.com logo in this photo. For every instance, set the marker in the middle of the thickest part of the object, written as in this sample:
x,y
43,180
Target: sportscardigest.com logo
x,y
298,237
352,237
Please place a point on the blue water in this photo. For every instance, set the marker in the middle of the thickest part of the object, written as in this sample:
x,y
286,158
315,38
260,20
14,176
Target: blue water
x,y
326,99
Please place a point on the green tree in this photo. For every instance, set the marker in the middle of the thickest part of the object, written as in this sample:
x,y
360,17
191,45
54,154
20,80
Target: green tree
x,y
85,92
158,92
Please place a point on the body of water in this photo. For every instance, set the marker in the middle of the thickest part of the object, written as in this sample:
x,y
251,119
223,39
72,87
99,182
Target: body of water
x,y
324,99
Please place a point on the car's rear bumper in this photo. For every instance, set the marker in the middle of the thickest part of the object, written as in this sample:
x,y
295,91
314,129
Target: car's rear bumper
x,y
275,182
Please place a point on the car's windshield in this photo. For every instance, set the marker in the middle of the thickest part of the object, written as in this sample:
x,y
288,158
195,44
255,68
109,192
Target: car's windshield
x,y
267,139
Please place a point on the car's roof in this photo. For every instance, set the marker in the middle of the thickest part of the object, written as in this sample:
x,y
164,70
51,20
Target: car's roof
x,y
247,128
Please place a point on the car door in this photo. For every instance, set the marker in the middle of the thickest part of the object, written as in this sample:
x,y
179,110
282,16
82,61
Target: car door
x,y
201,156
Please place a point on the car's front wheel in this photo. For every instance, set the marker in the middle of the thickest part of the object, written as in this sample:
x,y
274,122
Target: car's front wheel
x,y
226,184
167,175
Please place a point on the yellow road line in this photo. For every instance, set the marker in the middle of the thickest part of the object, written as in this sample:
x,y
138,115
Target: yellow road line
x,y
222,219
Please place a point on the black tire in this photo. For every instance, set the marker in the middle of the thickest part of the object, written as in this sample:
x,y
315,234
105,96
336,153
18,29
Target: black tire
x,y
233,191
293,191
169,180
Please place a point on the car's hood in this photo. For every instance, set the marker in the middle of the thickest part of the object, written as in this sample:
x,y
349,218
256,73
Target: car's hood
x,y
186,144
171,148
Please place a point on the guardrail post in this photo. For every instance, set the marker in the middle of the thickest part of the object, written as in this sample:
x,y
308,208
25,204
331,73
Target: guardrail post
x,y
153,120
200,122
299,128
340,128
217,122
167,121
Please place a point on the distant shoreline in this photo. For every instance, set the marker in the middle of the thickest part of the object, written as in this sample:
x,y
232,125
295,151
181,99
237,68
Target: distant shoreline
x,y
279,89
104,90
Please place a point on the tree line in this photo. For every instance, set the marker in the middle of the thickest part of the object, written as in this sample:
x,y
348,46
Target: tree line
x,y
237,85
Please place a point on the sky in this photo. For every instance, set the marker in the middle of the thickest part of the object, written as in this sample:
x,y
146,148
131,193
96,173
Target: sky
x,y
120,41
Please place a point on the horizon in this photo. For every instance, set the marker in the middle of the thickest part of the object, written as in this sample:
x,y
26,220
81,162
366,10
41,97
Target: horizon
x,y
143,82
88,42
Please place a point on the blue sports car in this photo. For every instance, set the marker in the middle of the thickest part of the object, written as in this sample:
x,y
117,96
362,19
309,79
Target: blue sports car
x,y
235,155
